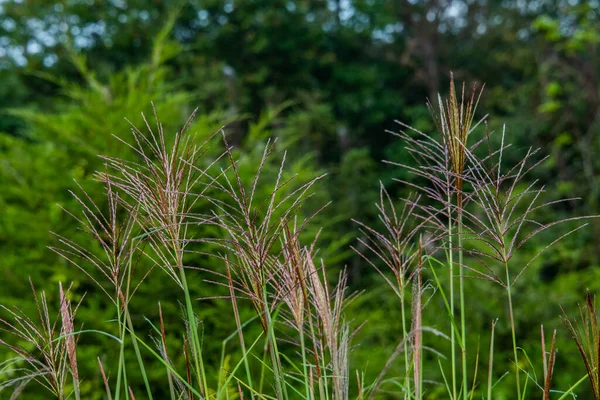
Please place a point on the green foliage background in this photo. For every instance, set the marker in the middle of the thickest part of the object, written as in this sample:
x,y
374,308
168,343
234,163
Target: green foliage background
x,y
328,78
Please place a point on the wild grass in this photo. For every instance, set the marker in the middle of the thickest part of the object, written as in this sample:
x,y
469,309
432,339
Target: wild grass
x,y
470,214
586,335
39,354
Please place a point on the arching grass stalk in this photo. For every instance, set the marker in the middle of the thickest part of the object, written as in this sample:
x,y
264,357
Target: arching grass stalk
x,y
127,317
199,363
334,332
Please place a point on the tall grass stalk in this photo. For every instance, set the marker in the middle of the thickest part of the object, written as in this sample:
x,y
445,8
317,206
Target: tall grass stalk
x,y
115,266
463,312
238,323
586,335
454,120
491,362
121,371
502,229
443,164
279,377
164,349
136,349
451,296
417,324
407,357
67,319
394,246
293,288
548,363
481,211
193,326
45,347
513,330
479,203
161,187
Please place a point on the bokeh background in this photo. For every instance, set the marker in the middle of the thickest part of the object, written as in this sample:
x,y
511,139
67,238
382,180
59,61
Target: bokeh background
x,y
328,78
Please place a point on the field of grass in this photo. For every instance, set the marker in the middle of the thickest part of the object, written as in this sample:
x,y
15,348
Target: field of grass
x,y
471,212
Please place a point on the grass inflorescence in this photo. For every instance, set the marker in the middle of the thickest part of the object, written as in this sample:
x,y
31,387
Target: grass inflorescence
x,y
468,219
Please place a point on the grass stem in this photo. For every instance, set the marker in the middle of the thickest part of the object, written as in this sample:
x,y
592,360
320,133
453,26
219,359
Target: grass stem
x,y
491,362
512,328
200,373
277,370
131,330
407,387
451,295
121,371
463,325
238,323
304,365
138,355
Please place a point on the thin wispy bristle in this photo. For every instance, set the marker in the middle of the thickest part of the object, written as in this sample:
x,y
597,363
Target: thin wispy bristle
x,y
41,344
586,335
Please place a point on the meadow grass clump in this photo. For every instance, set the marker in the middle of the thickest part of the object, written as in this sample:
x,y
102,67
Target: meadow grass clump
x,y
40,354
472,215
586,335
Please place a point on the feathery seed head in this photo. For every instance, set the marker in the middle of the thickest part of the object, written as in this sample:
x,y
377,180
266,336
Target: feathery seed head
x,y
454,120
